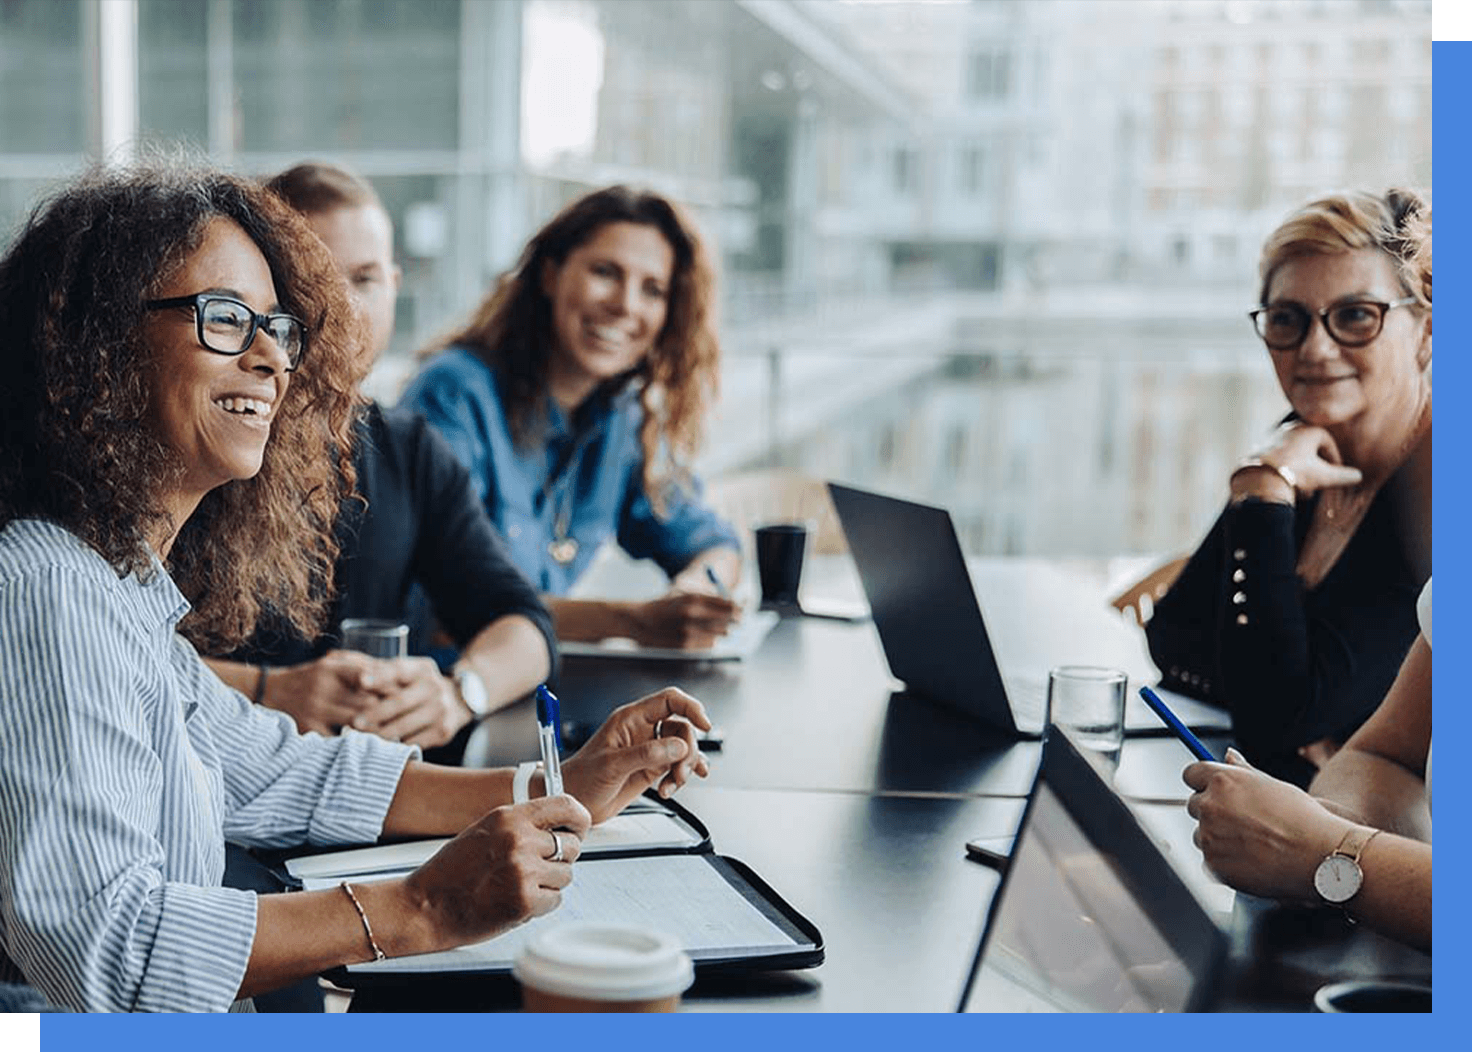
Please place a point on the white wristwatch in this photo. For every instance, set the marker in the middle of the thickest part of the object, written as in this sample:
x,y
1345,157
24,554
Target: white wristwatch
x,y
1339,877
472,690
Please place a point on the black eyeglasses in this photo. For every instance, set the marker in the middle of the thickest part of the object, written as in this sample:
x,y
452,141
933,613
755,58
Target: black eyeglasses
x,y
227,326
1283,326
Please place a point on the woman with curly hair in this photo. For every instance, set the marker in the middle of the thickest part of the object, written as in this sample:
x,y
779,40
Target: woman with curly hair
x,y
576,394
174,431
419,525
1298,608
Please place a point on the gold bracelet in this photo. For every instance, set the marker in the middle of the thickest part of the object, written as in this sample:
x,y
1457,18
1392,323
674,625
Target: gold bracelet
x,y
378,954
1278,469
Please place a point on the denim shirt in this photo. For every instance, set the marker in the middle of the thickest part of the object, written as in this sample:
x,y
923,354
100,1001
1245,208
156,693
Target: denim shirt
x,y
586,473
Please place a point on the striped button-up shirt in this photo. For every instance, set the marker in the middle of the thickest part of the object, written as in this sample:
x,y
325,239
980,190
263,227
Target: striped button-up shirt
x,y
124,766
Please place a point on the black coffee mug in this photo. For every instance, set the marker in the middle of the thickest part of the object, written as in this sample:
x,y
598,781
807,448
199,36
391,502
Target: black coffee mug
x,y
780,548
1369,995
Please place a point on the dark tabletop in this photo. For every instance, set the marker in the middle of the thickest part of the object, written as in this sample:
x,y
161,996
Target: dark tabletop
x,y
854,802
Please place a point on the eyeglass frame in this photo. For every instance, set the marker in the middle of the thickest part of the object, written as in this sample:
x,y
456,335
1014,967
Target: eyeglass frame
x,y
197,300
1323,317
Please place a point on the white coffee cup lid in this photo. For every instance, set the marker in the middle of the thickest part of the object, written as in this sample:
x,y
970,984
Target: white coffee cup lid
x,y
604,962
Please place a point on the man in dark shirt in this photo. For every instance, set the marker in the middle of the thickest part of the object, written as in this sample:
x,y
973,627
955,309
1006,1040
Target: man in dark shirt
x,y
422,528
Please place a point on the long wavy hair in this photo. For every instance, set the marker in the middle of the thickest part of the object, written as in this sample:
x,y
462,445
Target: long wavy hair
x,y
511,331
76,444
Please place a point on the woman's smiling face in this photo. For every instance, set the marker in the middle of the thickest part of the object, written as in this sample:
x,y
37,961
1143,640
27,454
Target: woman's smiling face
x,y
1331,385
215,410
610,298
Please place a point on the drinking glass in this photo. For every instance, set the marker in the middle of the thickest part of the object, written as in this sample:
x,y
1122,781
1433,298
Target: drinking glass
x,y
378,637
1088,701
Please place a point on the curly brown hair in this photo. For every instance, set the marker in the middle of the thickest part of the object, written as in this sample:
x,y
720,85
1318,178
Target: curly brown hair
x,y
511,331
76,447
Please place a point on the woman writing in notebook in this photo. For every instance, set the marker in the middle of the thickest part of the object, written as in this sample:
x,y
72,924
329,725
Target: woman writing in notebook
x,y
576,393
178,352
1298,608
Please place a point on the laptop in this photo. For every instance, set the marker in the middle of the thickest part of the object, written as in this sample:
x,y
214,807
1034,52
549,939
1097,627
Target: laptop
x,y
1090,916
930,625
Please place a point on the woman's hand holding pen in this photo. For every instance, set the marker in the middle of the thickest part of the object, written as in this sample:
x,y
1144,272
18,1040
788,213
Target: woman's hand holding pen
x,y
649,742
691,620
504,869
1256,833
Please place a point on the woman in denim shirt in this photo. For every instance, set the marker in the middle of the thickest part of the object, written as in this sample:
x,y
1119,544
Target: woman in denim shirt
x,y
575,395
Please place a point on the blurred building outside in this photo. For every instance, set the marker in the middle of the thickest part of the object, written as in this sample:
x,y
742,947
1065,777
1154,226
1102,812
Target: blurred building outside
x,y
994,254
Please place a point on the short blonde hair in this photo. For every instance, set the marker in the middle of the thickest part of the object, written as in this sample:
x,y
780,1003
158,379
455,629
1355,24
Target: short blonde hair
x,y
1396,222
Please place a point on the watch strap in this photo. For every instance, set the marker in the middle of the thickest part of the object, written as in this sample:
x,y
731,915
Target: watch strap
x,y
1354,842
521,781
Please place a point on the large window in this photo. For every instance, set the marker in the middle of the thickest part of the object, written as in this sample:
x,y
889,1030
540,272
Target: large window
x,y
992,256
44,103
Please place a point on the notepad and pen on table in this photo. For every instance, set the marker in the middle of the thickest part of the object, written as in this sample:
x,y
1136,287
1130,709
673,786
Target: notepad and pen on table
x,y
652,866
737,644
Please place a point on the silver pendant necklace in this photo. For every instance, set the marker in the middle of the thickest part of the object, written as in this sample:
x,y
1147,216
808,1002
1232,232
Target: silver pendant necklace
x,y
561,547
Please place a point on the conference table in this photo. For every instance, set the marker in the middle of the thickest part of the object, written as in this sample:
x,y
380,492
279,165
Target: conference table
x,y
854,800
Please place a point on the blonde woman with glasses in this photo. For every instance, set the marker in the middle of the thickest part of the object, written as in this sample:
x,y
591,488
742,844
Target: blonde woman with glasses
x,y
1300,605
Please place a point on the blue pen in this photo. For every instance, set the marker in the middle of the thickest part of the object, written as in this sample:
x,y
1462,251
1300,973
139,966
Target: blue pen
x,y
715,579
548,716
1171,720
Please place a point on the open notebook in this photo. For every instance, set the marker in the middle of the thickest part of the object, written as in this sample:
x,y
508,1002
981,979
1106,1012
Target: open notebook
x,y
652,866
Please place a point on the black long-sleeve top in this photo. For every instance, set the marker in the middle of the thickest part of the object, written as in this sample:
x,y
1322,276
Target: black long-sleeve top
x,y
1292,664
422,526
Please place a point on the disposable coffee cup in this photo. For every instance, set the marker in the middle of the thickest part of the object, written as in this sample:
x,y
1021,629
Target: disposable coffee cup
x,y
586,967
1372,995
780,548
380,638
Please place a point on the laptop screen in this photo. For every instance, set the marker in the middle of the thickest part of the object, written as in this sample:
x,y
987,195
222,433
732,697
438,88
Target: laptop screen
x,y
925,611
1090,917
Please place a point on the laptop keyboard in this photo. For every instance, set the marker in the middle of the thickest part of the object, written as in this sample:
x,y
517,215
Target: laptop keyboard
x,y
1029,701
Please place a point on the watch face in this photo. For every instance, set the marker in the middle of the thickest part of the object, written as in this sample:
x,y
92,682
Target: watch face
x,y
473,690
1337,879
